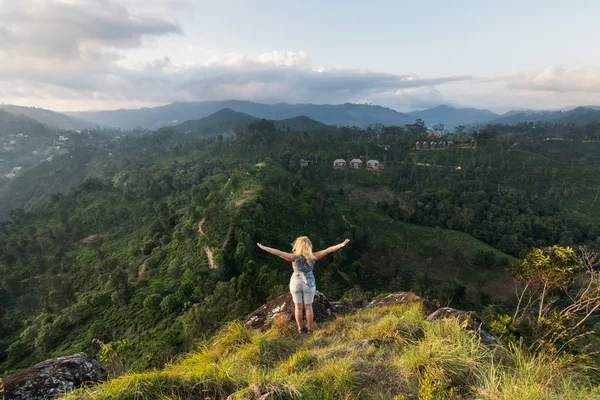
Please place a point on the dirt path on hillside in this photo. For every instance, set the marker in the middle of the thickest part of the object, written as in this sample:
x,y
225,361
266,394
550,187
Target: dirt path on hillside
x,y
200,226
207,249
210,250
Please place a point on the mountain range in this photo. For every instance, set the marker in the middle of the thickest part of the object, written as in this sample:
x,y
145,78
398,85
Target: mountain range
x,y
347,114
577,116
452,117
172,114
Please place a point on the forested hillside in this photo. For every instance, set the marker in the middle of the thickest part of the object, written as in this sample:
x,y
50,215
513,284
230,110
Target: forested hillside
x,y
159,250
50,118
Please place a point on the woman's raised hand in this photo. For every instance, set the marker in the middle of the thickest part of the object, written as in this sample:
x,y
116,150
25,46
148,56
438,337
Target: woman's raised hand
x,y
345,242
260,245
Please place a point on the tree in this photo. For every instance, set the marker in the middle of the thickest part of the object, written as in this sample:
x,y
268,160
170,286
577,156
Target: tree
x,y
543,270
169,303
458,130
553,270
152,302
438,127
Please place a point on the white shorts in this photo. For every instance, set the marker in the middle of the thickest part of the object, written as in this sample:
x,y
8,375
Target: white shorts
x,y
301,292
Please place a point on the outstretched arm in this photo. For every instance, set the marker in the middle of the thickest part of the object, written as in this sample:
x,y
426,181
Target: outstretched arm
x,y
279,253
323,253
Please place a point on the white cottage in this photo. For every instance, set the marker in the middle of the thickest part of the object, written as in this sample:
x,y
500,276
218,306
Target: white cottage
x,y
339,163
373,164
356,163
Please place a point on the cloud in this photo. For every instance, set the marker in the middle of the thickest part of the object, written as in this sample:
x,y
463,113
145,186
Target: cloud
x,y
78,50
554,78
68,30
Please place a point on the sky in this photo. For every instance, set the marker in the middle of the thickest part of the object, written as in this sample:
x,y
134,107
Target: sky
x,y
73,55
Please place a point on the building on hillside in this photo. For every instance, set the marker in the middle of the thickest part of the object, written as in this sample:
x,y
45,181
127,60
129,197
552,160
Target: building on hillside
x,y
339,163
418,145
425,145
303,163
356,163
373,164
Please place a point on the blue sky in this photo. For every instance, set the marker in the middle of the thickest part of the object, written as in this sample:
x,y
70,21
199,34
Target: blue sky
x,y
104,54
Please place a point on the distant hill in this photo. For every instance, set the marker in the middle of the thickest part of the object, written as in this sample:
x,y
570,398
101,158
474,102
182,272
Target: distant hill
x,y
300,124
452,117
175,113
223,121
23,142
577,116
50,118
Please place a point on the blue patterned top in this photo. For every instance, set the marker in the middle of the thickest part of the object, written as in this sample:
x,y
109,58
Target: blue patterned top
x,y
304,270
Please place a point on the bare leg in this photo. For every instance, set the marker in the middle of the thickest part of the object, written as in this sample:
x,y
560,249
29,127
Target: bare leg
x,y
309,316
298,314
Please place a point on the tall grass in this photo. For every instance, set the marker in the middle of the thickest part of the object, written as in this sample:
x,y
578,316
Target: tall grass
x,y
380,353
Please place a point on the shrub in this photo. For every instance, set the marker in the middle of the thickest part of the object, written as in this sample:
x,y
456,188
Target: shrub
x,y
17,351
169,303
153,302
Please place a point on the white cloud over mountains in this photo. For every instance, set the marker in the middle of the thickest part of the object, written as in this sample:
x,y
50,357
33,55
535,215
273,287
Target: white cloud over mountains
x,y
76,54
557,79
77,51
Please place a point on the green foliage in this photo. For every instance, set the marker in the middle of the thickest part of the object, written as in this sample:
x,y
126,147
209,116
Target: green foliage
x,y
549,267
121,256
425,360
169,303
152,303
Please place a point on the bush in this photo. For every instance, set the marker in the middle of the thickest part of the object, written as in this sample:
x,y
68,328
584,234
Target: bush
x,y
169,304
153,302
48,337
17,351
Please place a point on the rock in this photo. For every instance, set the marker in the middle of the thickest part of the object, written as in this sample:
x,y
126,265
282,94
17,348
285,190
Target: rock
x,y
488,337
284,305
49,378
404,298
347,306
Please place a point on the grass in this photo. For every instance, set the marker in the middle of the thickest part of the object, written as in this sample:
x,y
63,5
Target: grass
x,y
380,353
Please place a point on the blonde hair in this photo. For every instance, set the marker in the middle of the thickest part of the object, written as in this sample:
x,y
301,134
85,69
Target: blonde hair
x,y
302,247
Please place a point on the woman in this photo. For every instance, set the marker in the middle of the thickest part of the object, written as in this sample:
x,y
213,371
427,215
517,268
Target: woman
x,y
302,282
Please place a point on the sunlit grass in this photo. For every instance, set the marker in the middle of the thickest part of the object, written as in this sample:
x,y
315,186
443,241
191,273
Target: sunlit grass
x,y
380,353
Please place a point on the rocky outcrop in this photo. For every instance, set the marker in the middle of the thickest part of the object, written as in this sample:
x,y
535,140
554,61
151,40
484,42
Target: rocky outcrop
x,y
347,306
51,377
404,298
488,337
284,305
324,310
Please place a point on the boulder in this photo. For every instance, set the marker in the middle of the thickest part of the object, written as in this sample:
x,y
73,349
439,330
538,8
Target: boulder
x,y
51,377
404,298
488,337
347,306
284,305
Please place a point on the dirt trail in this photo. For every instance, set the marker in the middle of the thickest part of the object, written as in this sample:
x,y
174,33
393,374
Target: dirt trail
x,y
200,226
209,254
207,249
210,250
